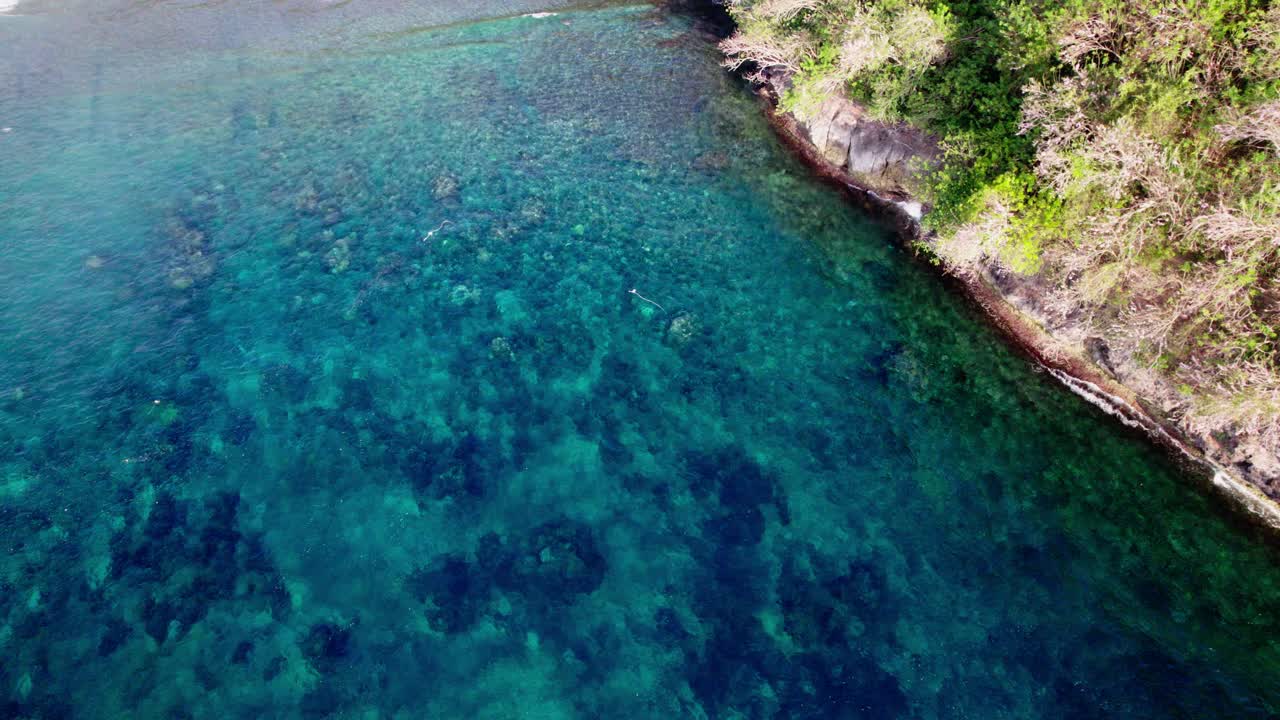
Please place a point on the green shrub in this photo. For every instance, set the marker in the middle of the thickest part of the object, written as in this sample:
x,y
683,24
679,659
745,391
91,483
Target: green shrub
x,y
1127,149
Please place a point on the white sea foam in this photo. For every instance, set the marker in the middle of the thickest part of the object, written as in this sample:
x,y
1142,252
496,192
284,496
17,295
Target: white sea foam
x,y
8,6
1108,403
1249,496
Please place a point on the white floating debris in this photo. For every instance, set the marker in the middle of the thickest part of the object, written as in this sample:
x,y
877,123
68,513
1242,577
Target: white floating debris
x,y
528,15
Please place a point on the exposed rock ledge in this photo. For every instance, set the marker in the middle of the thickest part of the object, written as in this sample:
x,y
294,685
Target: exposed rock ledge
x,y
881,165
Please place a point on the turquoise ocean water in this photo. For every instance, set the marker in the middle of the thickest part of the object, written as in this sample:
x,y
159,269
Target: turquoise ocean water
x,y
324,393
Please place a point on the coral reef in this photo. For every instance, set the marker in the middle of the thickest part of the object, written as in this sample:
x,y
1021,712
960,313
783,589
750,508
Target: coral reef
x,y
470,475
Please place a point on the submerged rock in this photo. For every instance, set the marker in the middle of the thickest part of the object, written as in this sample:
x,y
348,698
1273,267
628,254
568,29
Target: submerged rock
x,y
539,573
445,187
452,591
532,211
456,471
737,480
461,295
114,635
557,561
286,381
683,329
326,645
711,162
338,258
179,280
191,259
240,656
500,349
742,527
668,629
307,200
273,669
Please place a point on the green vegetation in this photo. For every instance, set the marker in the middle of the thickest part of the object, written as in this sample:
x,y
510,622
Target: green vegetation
x,y
1126,151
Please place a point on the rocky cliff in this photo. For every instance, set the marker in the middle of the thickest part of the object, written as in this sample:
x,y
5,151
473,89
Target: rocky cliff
x,y
883,165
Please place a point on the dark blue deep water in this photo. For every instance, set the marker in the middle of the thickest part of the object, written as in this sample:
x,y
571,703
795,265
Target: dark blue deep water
x,y
323,394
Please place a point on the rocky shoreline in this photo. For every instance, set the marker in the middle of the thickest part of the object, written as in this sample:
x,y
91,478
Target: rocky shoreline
x,y
878,165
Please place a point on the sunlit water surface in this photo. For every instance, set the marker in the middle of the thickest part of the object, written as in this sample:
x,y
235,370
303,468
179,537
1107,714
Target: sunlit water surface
x,y
324,394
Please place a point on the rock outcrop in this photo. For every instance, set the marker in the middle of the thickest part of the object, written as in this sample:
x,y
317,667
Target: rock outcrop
x,y
888,158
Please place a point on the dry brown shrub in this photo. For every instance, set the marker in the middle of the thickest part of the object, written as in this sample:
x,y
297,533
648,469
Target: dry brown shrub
x,y
981,239
1147,191
782,9
767,50
1242,398
866,46
1058,114
1174,39
1202,299
1259,124
1213,298
920,38
1083,285
1267,38
1237,235
1245,247
1093,35
910,37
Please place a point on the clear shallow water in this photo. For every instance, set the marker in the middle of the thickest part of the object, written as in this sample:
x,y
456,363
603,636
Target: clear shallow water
x,y
323,394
